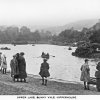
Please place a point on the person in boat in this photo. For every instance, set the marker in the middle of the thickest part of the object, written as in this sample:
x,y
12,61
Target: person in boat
x,y
0,59
14,68
85,74
44,71
97,75
4,64
47,56
22,67
43,55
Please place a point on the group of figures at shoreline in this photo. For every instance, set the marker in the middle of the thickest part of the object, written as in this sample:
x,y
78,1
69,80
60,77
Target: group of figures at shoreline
x,y
18,67
18,70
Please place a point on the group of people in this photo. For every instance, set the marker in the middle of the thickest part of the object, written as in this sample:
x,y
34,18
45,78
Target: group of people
x,y
18,67
3,63
85,75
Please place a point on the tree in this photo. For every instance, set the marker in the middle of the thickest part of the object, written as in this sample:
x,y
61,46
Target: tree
x,y
95,37
24,30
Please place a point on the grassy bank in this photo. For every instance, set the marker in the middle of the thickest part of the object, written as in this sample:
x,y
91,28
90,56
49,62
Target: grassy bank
x,y
34,87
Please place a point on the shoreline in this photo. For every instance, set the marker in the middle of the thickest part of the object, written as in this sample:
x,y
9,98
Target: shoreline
x,y
34,87
50,79
54,79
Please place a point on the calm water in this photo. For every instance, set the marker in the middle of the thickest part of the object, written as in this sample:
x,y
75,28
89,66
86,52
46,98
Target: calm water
x,y
63,66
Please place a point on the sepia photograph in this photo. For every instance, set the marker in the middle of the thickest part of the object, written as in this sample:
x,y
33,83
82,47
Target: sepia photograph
x,y
49,47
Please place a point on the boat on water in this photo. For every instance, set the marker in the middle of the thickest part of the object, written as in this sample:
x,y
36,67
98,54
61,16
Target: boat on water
x,y
33,44
69,48
5,48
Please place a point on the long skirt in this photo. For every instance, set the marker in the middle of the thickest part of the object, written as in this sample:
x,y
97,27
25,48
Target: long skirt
x,y
44,73
85,76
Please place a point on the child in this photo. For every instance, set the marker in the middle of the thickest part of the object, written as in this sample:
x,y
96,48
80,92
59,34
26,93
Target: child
x,y
44,72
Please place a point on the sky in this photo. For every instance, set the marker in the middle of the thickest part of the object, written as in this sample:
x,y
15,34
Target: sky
x,y
47,12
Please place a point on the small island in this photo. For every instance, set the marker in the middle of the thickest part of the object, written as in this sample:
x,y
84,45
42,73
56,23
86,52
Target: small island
x,y
91,47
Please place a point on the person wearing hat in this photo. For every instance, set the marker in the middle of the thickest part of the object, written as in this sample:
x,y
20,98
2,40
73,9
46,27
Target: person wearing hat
x,y
85,74
44,71
22,67
0,59
97,75
4,64
43,55
14,68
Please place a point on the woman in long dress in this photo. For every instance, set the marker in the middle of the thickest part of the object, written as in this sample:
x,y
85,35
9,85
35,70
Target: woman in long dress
x,y
14,68
4,64
44,72
85,74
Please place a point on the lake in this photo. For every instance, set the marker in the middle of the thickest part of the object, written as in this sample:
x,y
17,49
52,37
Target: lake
x,y
63,66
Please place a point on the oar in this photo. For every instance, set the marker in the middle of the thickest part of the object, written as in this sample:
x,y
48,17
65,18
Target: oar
x,y
41,57
52,55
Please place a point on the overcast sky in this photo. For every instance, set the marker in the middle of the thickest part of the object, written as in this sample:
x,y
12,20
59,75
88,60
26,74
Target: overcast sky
x,y
47,12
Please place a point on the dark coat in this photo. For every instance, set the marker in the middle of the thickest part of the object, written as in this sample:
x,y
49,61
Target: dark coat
x,y
22,67
14,67
0,60
98,66
44,70
97,75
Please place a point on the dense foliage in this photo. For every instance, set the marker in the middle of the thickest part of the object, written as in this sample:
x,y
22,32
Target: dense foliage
x,y
10,34
95,37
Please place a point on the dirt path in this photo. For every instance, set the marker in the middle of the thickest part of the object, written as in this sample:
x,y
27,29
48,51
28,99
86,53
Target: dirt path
x,y
34,87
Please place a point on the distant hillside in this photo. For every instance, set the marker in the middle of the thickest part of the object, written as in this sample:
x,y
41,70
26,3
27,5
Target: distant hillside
x,y
76,25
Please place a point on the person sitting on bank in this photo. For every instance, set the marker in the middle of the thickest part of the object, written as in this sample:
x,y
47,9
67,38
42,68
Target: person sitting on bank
x,y
4,64
44,72
47,56
85,74
97,75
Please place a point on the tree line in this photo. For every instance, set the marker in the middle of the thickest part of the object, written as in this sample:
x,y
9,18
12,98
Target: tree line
x,y
10,34
91,34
